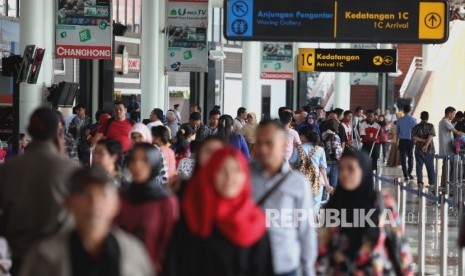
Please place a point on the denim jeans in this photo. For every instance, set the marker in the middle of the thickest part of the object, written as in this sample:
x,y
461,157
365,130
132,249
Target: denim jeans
x,y
427,159
406,152
332,171
317,199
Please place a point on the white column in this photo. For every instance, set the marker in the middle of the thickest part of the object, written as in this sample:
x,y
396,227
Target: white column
x,y
95,84
150,56
384,77
251,88
342,86
162,78
31,32
48,32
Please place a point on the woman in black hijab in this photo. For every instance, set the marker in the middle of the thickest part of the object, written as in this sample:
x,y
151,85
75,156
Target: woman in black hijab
x,y
148,210
353,247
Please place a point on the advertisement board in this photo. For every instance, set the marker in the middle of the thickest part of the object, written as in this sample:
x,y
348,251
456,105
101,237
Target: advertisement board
x,y
276,61
187,23
84,29
9,38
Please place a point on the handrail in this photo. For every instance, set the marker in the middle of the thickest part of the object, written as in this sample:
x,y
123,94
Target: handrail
x,y
416,64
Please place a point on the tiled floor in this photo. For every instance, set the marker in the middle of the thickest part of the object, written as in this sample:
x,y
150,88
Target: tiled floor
x,y
432,233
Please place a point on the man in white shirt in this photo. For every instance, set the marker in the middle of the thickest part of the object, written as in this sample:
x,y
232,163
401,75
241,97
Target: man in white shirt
x,y
177,113
240,120
155,118
445,131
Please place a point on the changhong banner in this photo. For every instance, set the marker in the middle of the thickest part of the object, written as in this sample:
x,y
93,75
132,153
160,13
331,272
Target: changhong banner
x,y
277,61
187,22
84,29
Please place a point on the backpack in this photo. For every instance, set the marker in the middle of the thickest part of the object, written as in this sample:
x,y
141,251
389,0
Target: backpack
x,y
308,169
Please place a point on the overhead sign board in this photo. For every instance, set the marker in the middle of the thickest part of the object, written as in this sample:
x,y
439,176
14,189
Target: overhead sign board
x,y
347,60
277,61
84,29
381,21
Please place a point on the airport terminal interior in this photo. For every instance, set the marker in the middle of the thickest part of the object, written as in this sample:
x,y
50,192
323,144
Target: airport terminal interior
x,y
232,137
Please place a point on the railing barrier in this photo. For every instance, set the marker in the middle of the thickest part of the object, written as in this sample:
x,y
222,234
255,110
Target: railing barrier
x,y
449,196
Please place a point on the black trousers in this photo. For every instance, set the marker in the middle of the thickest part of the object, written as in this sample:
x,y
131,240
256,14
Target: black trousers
x,y
406,156
374,154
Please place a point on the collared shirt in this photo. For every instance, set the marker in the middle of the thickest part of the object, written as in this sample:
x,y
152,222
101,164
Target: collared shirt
x,y
174,127
154,124
369,131
348,130
292,247
292,139
238,125
423,130
405,126
81,125
200,132
178,116
209,131
445,137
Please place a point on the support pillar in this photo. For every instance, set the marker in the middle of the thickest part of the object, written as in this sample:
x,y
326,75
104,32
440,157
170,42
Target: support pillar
x,y
209,92
302,89
85,84
162,93
290,94
95,86
31,32
251,88
383,85
150,64
48,32
342,86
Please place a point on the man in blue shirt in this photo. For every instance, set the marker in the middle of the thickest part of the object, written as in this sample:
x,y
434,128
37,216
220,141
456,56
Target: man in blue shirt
x,y
404,129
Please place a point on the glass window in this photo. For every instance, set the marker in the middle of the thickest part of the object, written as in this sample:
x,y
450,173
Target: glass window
x,y
12,8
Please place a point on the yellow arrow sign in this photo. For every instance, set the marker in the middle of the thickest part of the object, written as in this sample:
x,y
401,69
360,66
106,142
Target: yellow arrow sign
x,y
431,20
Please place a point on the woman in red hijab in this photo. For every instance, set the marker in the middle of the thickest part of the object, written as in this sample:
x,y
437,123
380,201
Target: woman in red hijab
x,y
222,231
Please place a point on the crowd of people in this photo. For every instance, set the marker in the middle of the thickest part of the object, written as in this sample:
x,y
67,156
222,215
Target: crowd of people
x,y
168,197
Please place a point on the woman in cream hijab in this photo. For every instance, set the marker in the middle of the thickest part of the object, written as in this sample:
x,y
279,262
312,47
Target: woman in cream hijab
x,y
248,131
394,155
